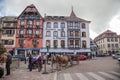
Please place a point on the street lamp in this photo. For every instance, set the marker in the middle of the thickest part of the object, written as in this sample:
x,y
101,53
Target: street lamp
x,y
46,61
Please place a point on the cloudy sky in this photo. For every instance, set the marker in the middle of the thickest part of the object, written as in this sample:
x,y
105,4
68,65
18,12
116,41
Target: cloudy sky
x,y
103,14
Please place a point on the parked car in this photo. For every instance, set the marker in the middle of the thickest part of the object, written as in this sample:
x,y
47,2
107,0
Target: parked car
x,y
116,55
20,57
101,55
82,57
119,59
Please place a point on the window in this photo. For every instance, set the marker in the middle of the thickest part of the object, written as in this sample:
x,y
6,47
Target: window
x,y
30,22
83,44
71,43
12,25
55,33
71,33
22,23
34,42
112,39
83,34
62,44
48,33
116,39
62,25
55,43
76,43
8,32
10,42
71,24
108,39
76,24
21,31
4,24
48,43
83,25
37,23
7,42
116,45
77,33
29,31
112,45
48,24
63,34
21,41
37,32
55,25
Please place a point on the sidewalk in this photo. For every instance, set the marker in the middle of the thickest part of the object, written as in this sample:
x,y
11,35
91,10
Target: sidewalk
x,y
23,73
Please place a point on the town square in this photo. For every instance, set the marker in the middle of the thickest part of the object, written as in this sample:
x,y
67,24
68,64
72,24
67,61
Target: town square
x,y
59,40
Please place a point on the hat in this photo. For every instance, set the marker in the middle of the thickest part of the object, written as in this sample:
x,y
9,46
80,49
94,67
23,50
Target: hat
x,y
5,54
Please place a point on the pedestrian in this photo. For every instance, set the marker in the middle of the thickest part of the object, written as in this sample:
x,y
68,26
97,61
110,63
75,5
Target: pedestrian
x,y
39,63
44,58
24,58
8,63
3,64
30,62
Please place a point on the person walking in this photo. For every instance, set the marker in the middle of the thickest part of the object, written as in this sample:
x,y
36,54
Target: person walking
x,y
3,64
30,63
39,63
8,63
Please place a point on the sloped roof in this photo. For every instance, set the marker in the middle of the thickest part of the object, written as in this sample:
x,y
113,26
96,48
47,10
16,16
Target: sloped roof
x,y
108,31
30,6
73,17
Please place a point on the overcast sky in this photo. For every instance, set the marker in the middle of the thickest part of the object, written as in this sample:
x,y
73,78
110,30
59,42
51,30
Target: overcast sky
x,y
103,14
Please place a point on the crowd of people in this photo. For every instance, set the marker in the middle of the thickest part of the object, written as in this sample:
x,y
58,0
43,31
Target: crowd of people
x,y
35,62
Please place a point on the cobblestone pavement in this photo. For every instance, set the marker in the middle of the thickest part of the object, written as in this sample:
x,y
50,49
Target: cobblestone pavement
x,y
23,73
100,67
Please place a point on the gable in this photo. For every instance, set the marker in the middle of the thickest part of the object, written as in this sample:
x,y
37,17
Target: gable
x,y
30,12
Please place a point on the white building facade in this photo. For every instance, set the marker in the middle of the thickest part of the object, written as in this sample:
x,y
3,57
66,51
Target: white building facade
x,y
55,32
66,34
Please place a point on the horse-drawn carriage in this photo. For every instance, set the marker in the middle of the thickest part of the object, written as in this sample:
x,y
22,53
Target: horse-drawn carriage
x,y
63,60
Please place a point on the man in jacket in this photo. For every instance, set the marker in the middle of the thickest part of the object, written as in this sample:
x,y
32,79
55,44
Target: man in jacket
x,y
8,63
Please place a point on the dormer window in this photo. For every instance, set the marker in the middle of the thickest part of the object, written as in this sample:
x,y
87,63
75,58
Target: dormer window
x,y
55,25
48,24
62,18
83,25
55,18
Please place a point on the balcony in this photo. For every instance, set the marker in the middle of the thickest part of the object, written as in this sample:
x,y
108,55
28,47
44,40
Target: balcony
x,y
36,35
20,35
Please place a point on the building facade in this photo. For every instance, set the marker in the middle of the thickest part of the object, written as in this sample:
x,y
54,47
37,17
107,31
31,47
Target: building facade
x,y
78,34
0,29
55,32
108,42
29,32
9,24
66,34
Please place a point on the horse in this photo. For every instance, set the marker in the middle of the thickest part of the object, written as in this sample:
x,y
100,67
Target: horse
x,y
59,60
